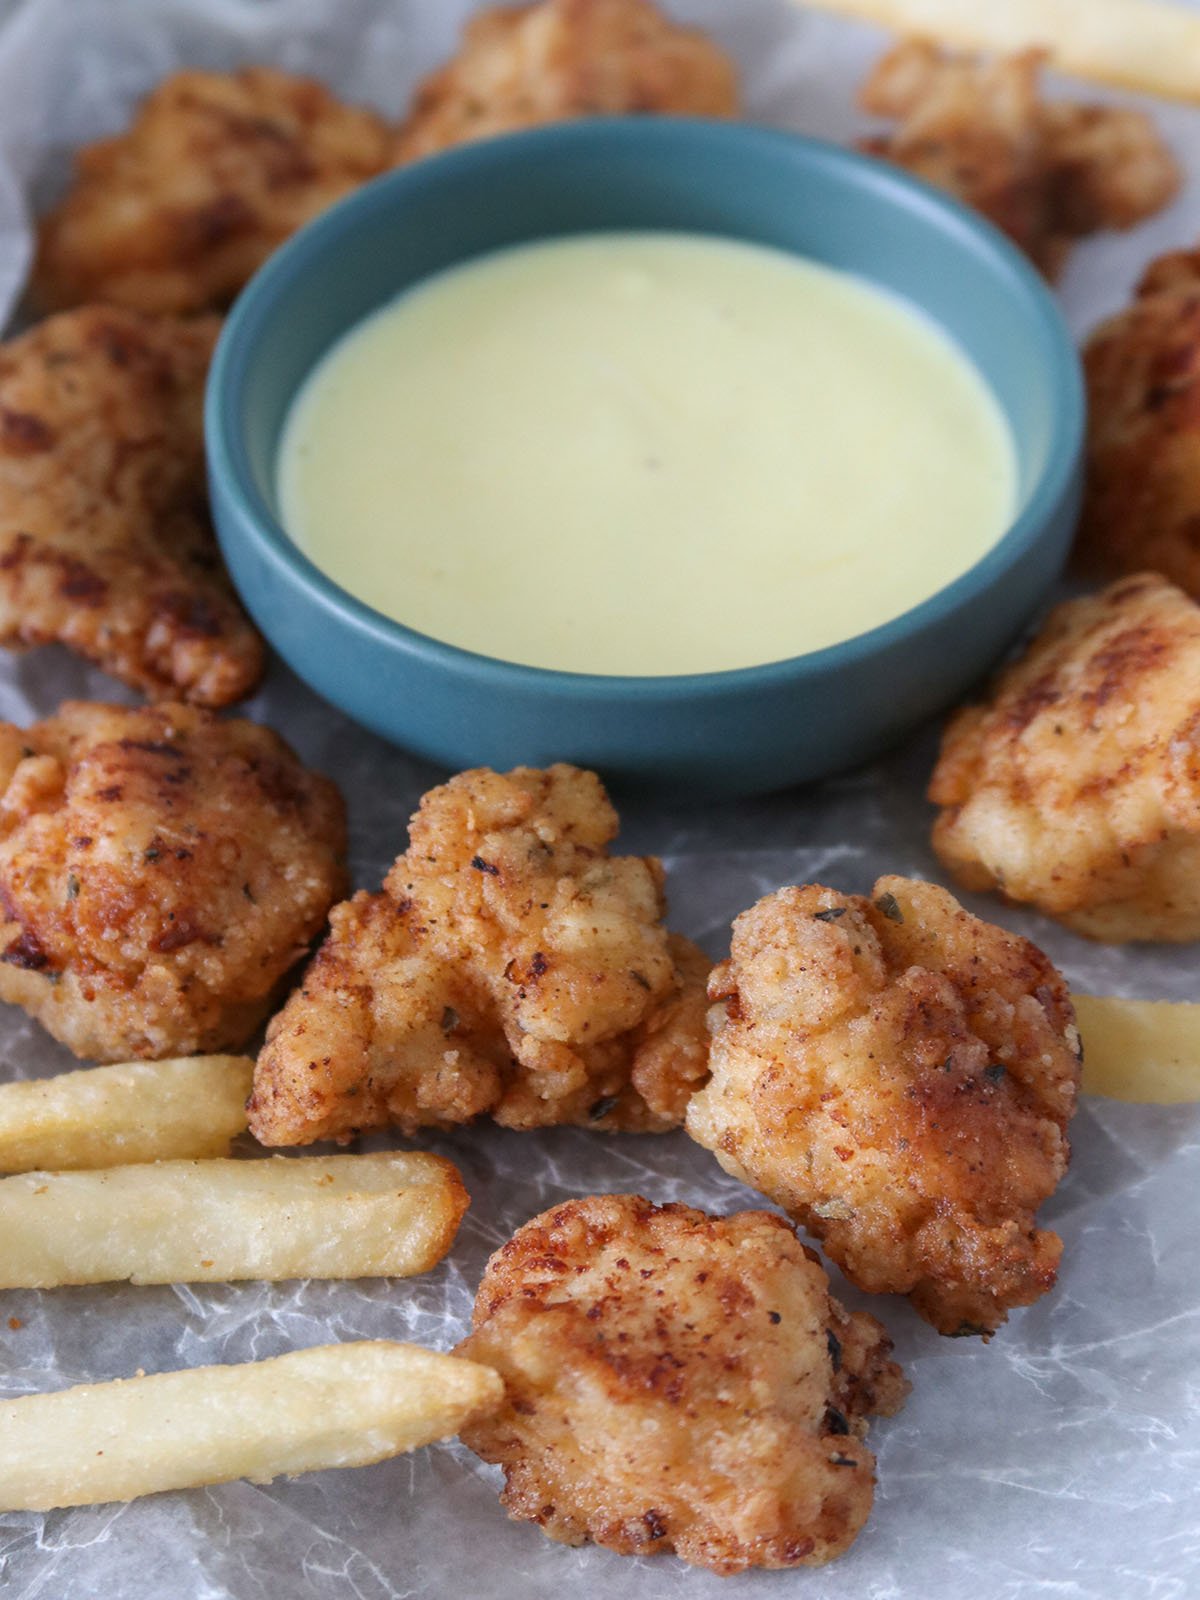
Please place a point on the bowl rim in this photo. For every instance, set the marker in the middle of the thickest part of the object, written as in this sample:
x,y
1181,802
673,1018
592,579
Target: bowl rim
x,y
229,464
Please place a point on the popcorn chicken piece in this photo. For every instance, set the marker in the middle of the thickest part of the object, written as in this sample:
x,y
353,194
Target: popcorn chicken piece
x,y
1076,787
1046,172
524,65
160,871
898,1076
216,170
509,965
105,542
1141,507
679,1382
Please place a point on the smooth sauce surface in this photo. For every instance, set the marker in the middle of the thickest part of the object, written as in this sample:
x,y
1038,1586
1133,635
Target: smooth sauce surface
x,y
645,453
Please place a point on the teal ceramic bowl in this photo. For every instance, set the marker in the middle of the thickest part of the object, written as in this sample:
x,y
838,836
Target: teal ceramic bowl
x,y
724,733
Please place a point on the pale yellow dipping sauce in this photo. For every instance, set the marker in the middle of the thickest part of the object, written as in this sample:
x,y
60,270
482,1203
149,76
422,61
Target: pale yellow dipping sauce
x,y
645,453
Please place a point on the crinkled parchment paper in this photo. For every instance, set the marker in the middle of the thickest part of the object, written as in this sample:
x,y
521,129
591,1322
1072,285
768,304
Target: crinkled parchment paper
x,y
1061,1461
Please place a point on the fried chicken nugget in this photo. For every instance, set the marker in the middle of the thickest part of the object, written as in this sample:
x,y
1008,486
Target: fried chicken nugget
x,y
105,542
1047,173
510,965
524,65
679,1382
1141,508
898,1076
160,871
1076,787
216,170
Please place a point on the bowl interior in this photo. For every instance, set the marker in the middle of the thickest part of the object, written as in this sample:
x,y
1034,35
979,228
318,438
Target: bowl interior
x,y
797,194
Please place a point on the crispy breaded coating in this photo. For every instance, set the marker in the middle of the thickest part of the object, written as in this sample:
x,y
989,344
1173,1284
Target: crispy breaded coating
x,y
524,65
105,542
216,170
1076,786
898,1076
1046,172
679,1382
160,871
510,965
1141,509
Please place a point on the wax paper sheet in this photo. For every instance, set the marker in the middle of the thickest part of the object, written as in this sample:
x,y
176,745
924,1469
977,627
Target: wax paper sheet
x,y
1060,1461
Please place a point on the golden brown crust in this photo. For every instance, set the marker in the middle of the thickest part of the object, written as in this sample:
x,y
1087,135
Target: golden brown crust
x,y
1076,787
520,66
510,965
679,1382
160,871
1047,173
669,1059
898,1076
105,542
1142,501
216,170
453,1203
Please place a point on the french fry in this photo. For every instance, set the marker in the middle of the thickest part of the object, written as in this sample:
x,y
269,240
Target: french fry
x,y
1140,1050
335,1405
362,1216
140,1111
1148,45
